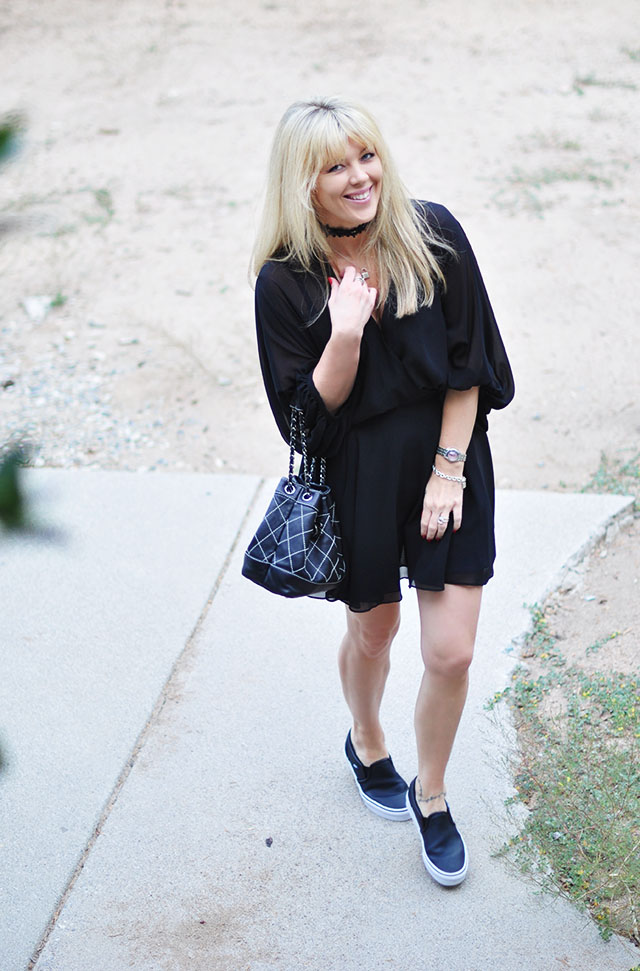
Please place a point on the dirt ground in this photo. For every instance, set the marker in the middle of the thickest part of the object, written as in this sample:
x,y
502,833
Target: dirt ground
x,y
135,196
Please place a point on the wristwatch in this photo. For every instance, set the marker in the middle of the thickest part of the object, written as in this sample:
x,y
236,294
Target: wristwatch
x,y
451,454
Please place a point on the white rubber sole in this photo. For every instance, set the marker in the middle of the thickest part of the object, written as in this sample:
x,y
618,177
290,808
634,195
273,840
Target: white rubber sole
x,y
442,877
398,814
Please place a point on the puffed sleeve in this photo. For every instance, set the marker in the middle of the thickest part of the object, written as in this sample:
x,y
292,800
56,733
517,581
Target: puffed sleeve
x,y
477,356
289,348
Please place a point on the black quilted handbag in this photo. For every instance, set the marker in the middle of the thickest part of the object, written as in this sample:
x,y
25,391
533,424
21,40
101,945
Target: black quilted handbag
x,y
297,548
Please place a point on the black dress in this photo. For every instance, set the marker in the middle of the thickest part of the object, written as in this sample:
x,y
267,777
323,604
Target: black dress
x,y
381,443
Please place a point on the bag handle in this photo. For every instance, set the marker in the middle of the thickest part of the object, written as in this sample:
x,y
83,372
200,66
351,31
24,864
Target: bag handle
x,y
298,429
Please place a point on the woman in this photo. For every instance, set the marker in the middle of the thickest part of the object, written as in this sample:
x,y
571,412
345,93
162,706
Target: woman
x,y
373,318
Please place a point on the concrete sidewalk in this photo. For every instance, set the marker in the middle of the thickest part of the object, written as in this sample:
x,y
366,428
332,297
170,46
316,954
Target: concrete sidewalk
x,y
176,795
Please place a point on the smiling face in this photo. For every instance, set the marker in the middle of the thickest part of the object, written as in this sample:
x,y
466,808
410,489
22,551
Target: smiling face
x,y
348,190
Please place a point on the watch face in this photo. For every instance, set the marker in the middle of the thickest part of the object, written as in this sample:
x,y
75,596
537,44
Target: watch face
x,y
452,454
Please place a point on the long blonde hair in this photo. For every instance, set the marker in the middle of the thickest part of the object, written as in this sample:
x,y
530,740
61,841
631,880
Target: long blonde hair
x,y
310,136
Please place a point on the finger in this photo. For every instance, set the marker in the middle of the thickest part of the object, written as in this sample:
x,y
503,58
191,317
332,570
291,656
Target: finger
x,y
424,523
457,519
430,526
441,522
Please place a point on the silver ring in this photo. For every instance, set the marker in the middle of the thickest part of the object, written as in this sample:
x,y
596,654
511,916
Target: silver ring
x,y
443,520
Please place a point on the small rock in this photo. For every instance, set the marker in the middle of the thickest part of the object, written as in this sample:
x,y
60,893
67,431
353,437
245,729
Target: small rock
x,y
125,341
37,307
224,381
96,324
612,532
269,841
589,597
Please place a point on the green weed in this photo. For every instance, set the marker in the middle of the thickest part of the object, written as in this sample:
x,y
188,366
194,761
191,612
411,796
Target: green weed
x,y
549,176
597,645
11,127
617,475
591,81
104,201
577,772
528,190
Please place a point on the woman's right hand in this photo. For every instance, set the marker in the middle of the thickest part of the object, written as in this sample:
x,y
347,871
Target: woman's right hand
x,y
351,304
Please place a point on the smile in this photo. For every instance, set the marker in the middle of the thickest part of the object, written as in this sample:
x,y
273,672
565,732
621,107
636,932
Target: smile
x,y
360,196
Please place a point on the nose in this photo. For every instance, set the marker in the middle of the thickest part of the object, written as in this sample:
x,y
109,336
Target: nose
x,y
357,174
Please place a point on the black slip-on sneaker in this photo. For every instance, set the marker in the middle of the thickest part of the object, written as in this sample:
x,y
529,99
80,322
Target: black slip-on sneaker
x,y
443,849
381,788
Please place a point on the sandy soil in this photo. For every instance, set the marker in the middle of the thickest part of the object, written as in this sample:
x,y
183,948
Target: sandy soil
x,y
136,194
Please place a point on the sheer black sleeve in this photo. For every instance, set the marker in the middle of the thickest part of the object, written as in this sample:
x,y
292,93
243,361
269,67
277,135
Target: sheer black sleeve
x,y
289,348
477,356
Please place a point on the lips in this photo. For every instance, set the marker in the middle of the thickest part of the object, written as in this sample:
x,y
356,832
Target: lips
x,y
359,196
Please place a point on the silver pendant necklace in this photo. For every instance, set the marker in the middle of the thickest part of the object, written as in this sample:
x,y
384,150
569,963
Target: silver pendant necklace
x,y
364,273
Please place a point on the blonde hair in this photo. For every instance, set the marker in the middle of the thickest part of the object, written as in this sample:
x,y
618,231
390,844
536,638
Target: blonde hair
x,y
310,136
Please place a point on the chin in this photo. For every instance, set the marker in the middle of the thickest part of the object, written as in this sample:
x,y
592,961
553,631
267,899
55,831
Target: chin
x,y
365,216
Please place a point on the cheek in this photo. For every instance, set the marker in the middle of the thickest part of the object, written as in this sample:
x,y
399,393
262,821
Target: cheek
x,y
320,195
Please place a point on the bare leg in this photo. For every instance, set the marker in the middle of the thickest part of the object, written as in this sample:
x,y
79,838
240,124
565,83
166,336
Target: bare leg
x,y
448,622
364,664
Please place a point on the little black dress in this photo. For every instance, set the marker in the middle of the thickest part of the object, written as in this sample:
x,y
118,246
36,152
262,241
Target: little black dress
x,y
380,444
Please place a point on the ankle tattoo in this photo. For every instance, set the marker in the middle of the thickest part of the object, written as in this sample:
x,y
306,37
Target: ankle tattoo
x,y
427,799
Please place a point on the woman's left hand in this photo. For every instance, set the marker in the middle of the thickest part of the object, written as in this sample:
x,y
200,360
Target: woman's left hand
x,y
442,499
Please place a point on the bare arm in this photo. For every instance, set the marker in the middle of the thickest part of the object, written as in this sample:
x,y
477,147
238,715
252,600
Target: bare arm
x,y
443,497
350,306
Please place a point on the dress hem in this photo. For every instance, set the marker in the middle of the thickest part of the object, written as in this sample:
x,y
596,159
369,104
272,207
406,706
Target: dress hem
x,y
458,580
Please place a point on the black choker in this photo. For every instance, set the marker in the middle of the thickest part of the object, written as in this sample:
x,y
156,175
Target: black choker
x,y
340,231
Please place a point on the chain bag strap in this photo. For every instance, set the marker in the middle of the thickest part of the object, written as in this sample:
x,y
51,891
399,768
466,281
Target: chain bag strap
x,y
297,549
308,466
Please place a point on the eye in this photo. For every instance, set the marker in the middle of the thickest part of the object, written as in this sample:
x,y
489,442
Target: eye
x,y
366,156
335,168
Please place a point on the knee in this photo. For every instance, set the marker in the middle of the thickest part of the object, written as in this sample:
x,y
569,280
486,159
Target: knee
x,y
374,640
450,659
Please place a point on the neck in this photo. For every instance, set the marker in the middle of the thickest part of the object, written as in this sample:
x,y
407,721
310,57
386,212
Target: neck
x,y
348,248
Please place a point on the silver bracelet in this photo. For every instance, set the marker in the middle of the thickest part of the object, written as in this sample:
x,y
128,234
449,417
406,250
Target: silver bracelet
x,y
452,478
